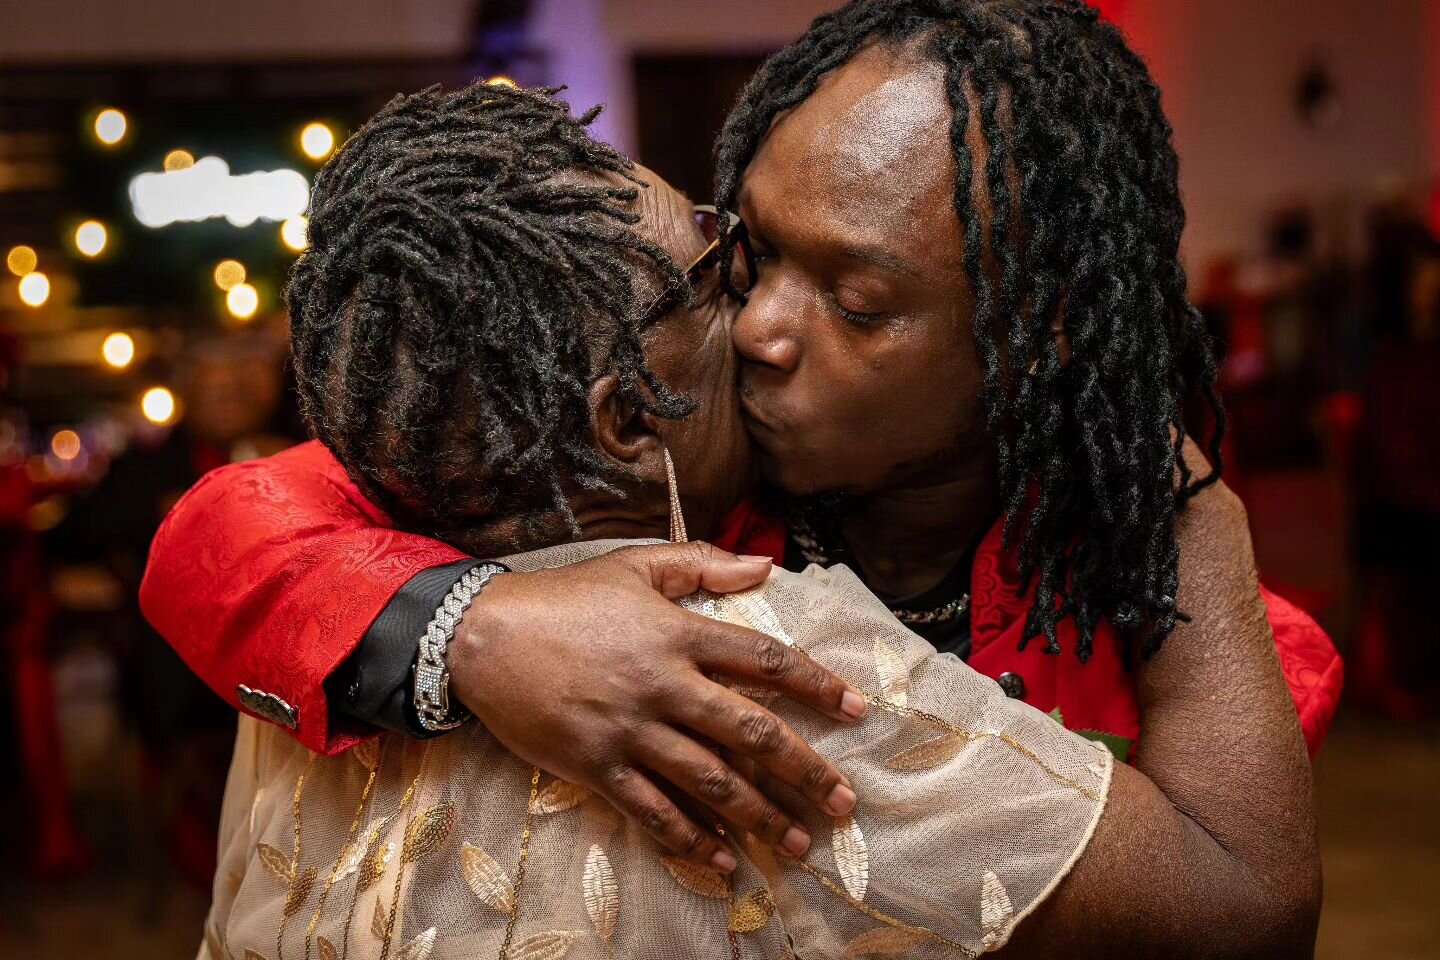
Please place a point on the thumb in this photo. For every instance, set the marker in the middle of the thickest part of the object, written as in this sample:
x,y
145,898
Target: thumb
x,y
679,569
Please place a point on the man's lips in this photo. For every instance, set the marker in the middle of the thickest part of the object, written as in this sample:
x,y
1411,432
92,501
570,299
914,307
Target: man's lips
x,y
754,418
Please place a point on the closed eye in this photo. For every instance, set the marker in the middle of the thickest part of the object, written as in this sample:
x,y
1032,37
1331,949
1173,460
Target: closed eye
x,y
854,316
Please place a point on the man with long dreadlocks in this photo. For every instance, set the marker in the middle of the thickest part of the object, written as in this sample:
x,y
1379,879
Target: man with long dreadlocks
x,y
968,305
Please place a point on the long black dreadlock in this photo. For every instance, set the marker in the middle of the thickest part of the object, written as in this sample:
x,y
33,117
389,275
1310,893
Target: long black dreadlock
x,y
1088,450
471,267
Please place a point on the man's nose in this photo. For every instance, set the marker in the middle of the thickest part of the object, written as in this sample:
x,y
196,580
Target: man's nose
x,y
766,331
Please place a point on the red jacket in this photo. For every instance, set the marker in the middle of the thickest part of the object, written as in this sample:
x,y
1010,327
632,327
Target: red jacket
x,y
268,573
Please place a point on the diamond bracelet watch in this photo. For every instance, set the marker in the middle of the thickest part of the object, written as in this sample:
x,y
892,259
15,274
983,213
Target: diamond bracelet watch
x,y
432,676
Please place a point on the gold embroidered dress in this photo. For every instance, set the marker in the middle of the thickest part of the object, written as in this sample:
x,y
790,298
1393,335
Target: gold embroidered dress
x,y
972,807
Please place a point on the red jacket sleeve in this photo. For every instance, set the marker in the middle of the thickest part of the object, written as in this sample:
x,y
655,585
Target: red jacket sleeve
x,y
1312,666
268,574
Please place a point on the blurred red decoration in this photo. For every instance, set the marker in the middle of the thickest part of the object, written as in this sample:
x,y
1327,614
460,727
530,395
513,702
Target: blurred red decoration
x,y
1112,10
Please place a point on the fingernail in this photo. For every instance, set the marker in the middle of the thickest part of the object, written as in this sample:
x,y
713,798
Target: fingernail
x,y
795,842
852,705
722,860
841,801
754,559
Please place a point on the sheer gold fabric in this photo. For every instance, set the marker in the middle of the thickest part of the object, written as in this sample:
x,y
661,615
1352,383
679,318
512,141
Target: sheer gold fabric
x,y
971,808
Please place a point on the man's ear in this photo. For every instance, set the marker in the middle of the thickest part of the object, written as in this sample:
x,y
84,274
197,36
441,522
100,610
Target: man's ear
x,y
623,432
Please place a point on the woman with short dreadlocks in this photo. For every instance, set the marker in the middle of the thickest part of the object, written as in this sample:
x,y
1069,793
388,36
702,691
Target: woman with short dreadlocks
x,y
461,849
963,356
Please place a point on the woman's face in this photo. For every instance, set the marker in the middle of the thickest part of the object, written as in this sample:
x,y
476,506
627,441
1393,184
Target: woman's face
x,y
690,350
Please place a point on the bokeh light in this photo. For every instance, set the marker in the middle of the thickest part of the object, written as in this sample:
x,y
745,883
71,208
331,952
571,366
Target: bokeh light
x,y
208,190
229,273
158,405
91,237
317,140
110,126
21,260
34,289
65,444
179,160
118,350
293,233
242,301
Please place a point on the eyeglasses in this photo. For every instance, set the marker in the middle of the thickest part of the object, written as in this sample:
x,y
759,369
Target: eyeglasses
x,y
742,266
702,276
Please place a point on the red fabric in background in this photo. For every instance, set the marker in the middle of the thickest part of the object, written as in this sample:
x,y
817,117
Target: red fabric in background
x,y
1112,10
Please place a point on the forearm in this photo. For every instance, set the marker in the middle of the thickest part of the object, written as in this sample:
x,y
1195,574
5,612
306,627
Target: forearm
x,y
267,575
1208,846
1154,883
374,687
971,805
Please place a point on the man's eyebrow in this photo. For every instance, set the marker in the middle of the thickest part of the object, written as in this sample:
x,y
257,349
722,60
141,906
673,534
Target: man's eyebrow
x,y
879,256
866,253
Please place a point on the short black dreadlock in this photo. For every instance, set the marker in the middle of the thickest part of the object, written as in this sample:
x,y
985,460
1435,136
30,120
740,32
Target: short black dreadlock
x,y
1087,452
471,267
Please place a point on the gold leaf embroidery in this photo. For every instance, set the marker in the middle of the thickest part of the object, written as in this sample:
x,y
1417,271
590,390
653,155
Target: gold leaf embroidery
x,y
931,753
372,868
558,796
428,831
355,851
997,916
327,949
275,862
602,893
368,753
882,941
419,948
350,856
550,945
752,911
487,879
380,922
701,880
750,608
894,678
852,857
299,892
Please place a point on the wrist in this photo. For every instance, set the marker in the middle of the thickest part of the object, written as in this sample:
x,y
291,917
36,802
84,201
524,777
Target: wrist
x,y
474,647
435,708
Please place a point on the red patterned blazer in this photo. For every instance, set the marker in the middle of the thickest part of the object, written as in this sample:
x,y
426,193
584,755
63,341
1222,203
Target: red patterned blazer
x,y
268,573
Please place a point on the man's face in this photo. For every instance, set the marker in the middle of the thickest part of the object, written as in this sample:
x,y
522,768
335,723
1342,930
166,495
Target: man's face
x,y
859,369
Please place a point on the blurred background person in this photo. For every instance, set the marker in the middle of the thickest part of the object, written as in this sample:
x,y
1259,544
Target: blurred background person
x,y
1396,468
229,385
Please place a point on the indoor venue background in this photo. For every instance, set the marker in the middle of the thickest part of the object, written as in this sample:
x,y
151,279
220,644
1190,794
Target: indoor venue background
x,y
142,342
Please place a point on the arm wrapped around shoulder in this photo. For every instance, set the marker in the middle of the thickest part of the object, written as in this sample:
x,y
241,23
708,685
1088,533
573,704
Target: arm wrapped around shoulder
x,y
972,806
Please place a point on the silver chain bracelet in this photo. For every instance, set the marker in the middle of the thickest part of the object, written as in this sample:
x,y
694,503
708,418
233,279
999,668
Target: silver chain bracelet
x,y
432,676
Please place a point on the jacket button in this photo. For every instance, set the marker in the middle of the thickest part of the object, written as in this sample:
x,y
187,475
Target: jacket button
x,y
1013,684
267,706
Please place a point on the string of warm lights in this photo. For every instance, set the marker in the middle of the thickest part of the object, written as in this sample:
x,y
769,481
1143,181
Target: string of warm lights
x,y
186,188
